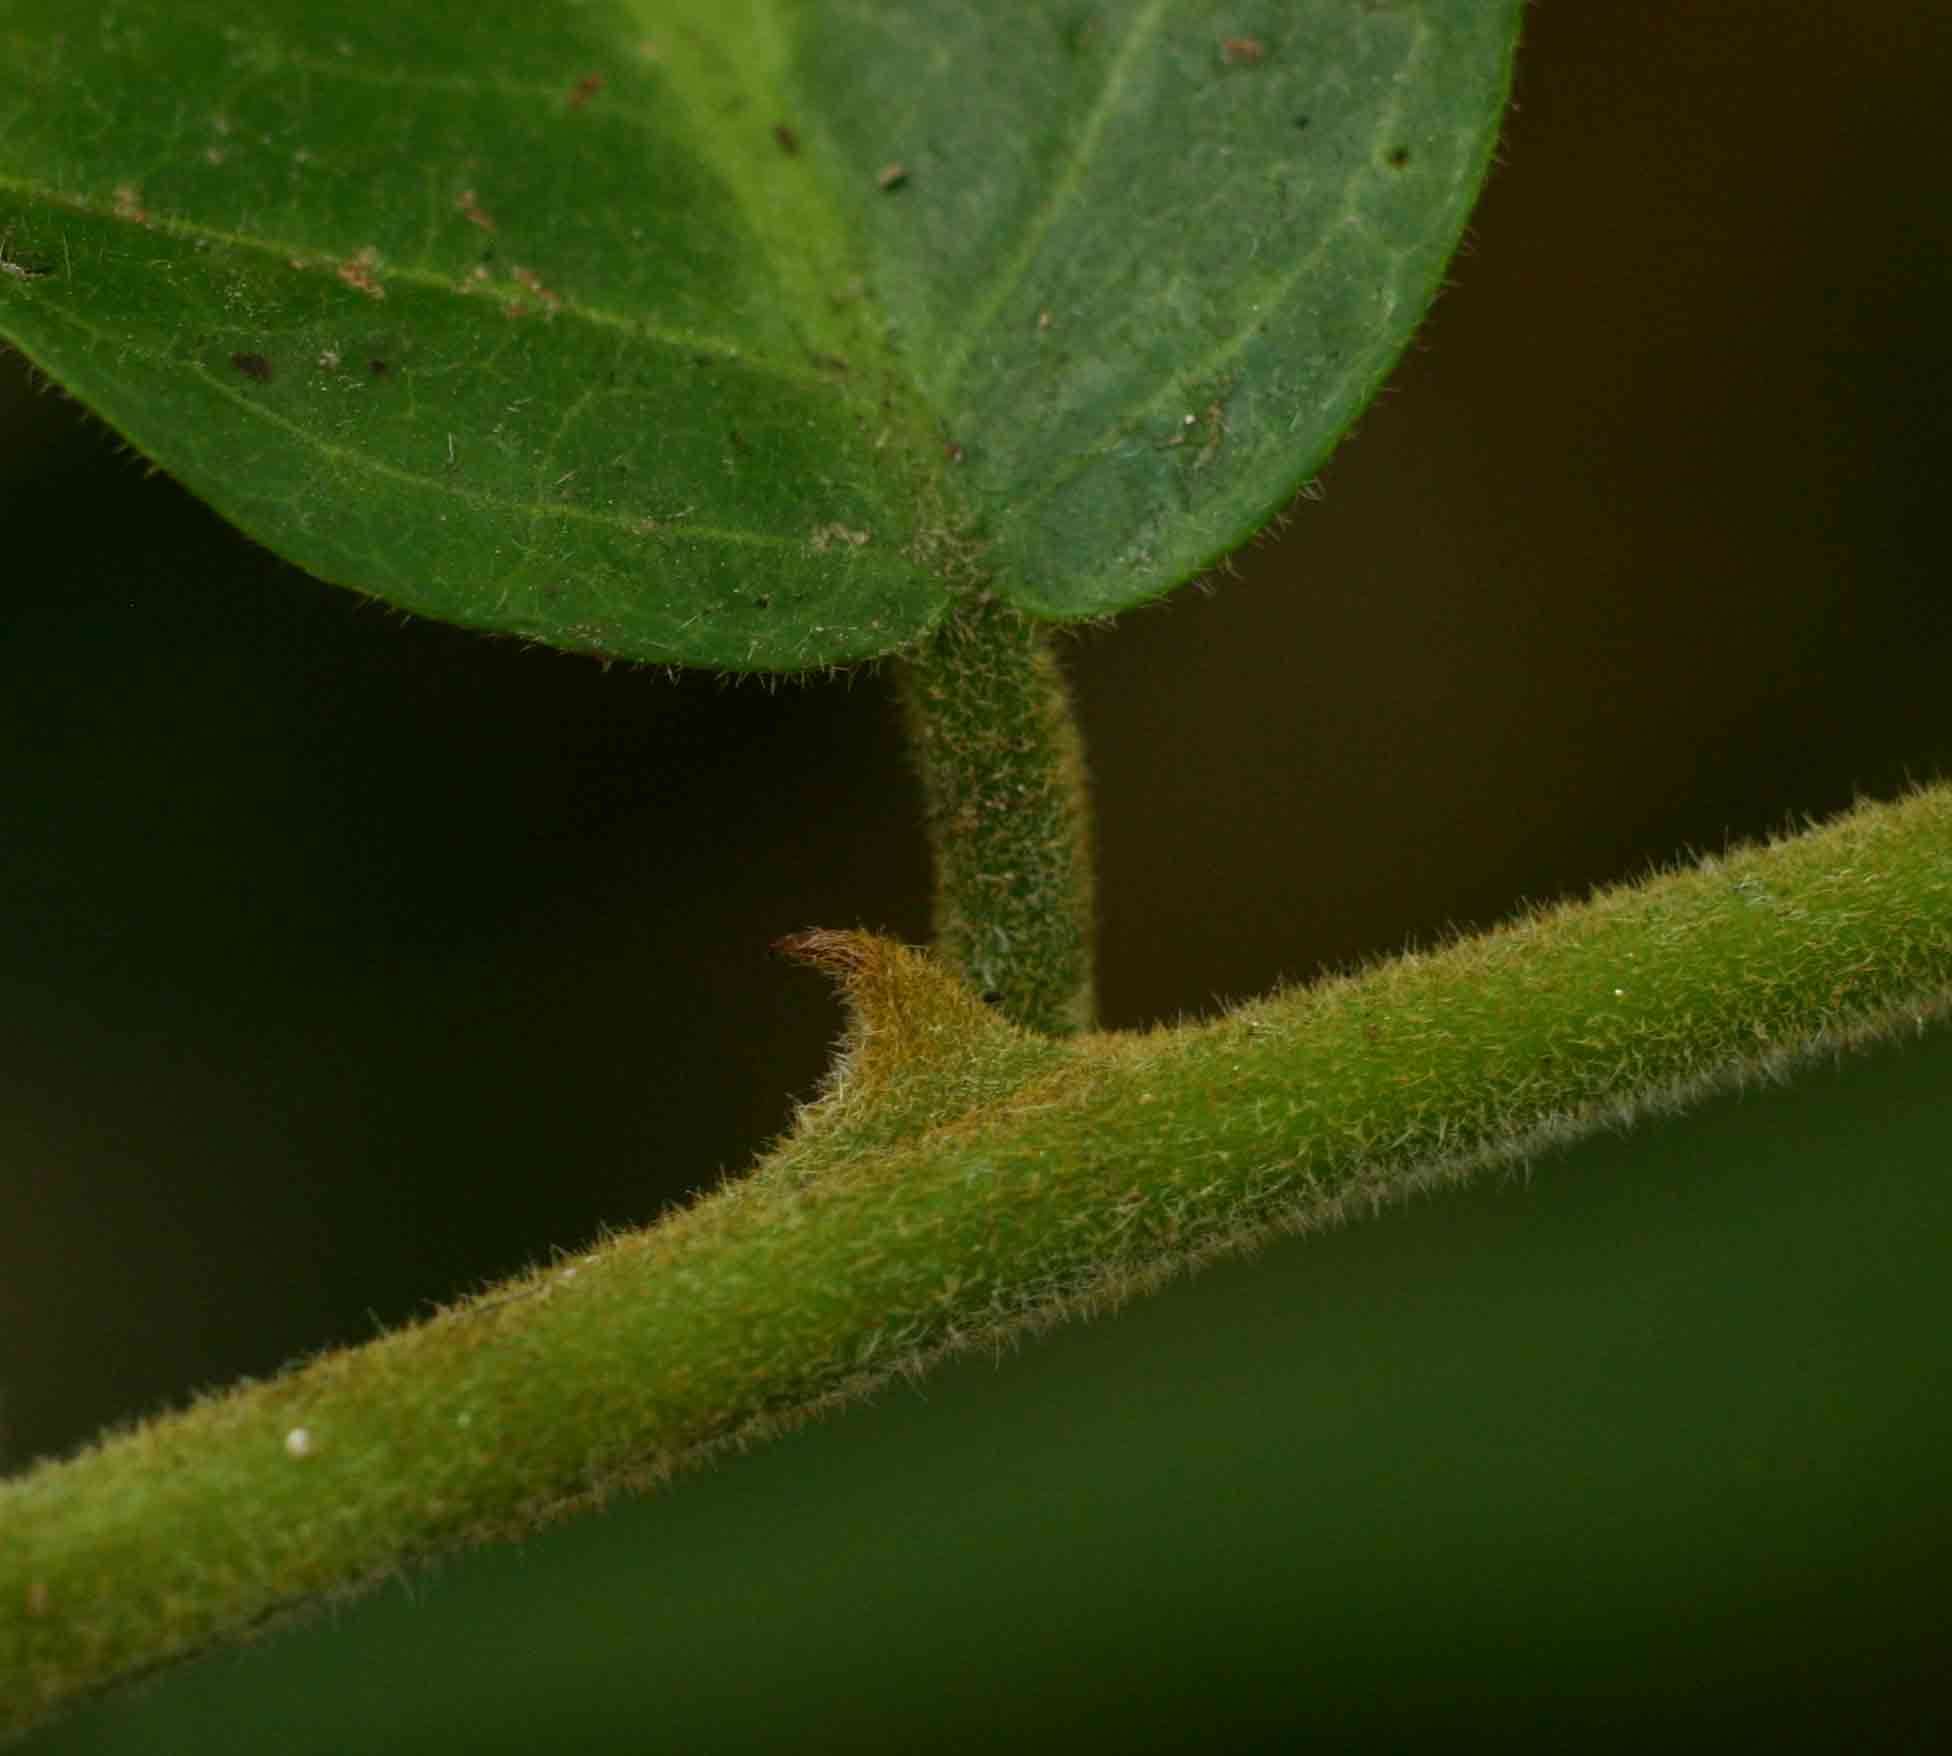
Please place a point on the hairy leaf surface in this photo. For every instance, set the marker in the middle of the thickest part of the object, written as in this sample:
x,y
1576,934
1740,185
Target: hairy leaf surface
x,y
743,334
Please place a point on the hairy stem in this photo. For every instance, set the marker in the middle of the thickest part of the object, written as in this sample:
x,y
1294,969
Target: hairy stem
x,y
1008,815
963,1182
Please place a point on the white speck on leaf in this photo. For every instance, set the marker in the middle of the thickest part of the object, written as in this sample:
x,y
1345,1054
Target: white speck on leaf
x,y
298,1442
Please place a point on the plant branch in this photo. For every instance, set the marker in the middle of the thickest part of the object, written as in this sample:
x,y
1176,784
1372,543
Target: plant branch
x,y
961,1181
1008,814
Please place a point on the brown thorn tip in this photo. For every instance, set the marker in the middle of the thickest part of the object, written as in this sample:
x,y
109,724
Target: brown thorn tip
x,y
826,948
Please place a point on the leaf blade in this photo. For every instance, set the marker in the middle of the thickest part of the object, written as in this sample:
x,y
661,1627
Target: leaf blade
x,y
718,334
1187,356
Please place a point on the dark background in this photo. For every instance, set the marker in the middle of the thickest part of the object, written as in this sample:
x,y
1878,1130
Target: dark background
x,y
347,961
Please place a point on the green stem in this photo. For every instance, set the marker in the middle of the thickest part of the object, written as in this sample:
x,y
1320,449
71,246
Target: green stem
x,y
1008,815
962,1184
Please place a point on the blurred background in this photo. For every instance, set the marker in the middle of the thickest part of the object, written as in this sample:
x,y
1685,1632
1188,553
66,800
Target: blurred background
x,y
347,962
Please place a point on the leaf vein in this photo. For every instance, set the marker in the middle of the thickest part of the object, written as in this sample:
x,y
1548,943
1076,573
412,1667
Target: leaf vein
x,y
597,316
1218,361
1062,191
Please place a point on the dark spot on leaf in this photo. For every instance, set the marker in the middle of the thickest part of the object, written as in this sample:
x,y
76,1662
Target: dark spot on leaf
x,y
1080,37
738,440
891,176
1399,156
789,142
1242,51
953,452
1301,121
763,601
378,368
584,89
991,997
830,362
254,367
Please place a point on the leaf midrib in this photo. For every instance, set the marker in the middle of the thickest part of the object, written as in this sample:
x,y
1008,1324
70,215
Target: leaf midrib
x,y
812,264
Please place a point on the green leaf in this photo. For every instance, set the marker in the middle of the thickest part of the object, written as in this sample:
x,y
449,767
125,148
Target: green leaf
x,y
738,334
